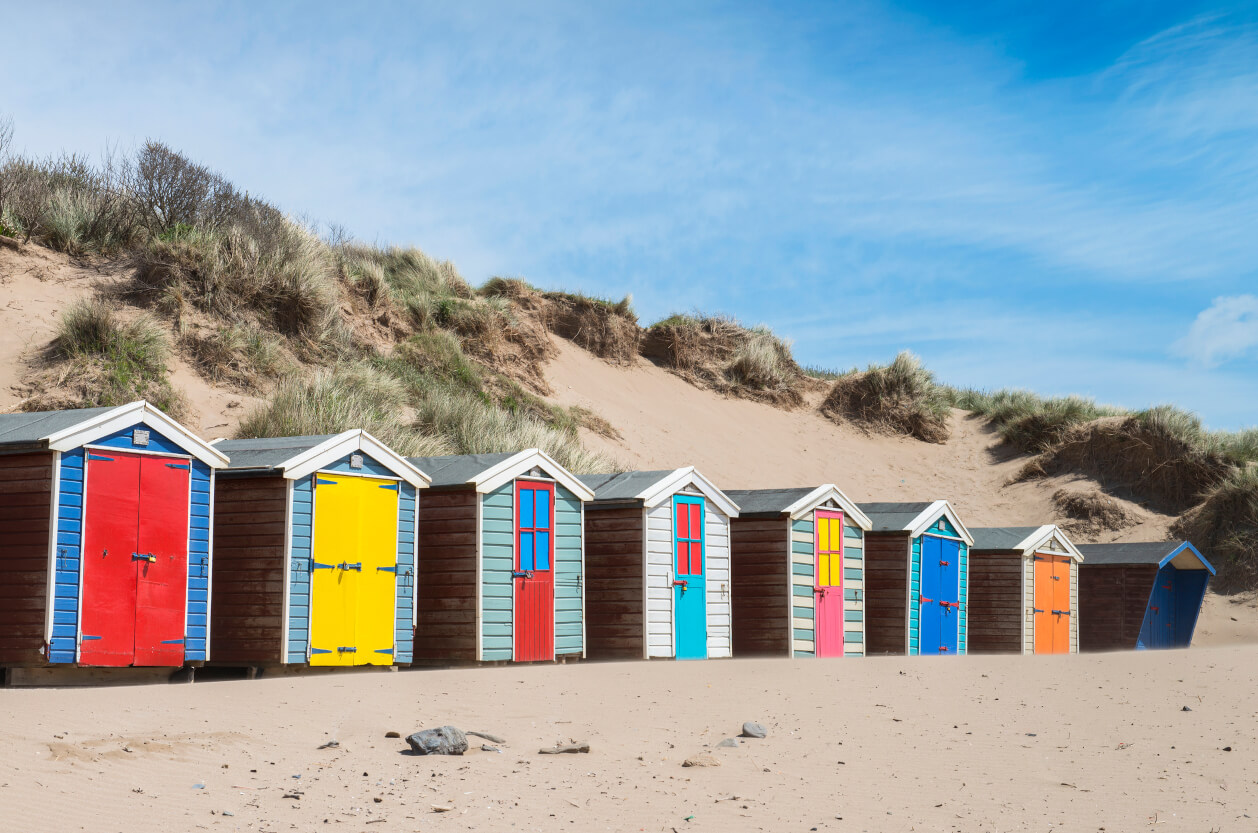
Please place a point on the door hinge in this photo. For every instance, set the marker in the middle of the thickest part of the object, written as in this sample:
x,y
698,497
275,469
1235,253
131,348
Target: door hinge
x,y
387,570
321,482
390,486
181,466
100,457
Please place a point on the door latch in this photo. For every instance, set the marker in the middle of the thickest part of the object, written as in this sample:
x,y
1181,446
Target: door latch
x,y
345,565
141,556
681,582
521,574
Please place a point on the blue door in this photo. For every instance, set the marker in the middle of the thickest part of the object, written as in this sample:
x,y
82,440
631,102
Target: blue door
x,y
690,607
1158,629
939,599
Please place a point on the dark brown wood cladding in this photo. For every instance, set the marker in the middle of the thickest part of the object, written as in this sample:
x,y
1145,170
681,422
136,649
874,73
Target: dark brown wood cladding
x,y
614,583
995,611
886,592
1112,603
760,562
25,527
445,577
247,609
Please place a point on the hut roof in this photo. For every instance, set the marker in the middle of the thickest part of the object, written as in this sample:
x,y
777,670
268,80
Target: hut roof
x,y
655,487
487,472
796,502
913,518
1158,553
1025,539
68,429
297,457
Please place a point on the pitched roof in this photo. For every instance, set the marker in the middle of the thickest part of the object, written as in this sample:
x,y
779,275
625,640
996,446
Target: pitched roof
x,y
458,469
893,517
1142,552
625,485
655,487
268,452
768,501
1001,537
33,428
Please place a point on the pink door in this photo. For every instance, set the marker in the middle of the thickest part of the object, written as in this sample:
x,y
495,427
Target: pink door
x,y
828,589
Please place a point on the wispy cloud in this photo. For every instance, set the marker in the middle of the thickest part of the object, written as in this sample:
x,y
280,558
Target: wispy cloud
x,y
1227,329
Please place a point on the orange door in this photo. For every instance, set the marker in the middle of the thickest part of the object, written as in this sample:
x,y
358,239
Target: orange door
x,y
1052,604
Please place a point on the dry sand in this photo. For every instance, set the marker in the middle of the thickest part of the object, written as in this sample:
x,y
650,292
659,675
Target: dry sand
x,y
1084,743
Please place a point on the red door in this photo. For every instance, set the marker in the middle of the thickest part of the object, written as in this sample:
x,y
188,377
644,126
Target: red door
x,y
534,575
110,540
162,571
828,591
135,557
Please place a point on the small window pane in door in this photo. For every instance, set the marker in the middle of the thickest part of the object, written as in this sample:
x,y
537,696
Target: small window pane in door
x,y
543,547
542,496
526,551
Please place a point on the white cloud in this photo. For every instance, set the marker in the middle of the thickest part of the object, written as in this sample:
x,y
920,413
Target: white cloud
x,y
1227,329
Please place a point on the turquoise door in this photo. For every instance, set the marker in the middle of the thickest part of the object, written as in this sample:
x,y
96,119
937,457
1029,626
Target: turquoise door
x,y
690,607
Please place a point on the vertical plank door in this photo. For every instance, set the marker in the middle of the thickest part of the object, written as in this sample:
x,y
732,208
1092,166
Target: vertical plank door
x,y
828,592
1050,609
534,575
335,570
939,597
1158,630
690,606
377,583
1061,610
162,567
111,509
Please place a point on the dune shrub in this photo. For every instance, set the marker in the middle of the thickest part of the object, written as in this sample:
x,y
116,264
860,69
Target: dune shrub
x,y
899,398
1225,528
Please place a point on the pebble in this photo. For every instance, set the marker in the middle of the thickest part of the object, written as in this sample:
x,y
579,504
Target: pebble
x,y
728,742
702,759
754,730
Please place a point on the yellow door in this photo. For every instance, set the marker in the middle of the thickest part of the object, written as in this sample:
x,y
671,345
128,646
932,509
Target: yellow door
x,y
355,563
377,587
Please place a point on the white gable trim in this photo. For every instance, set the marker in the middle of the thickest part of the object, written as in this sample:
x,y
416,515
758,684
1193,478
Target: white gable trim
x,y
127,415
805,505
923,522
674,481
519,464
1043,535
310,461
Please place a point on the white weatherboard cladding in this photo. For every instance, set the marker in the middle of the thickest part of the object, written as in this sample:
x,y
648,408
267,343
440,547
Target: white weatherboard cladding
x,y
659,580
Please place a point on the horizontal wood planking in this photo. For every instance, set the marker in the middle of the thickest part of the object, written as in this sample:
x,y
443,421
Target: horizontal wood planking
x,y
886,592
615,582
247,611
761,603
1113,599
996,605
24,540
445,577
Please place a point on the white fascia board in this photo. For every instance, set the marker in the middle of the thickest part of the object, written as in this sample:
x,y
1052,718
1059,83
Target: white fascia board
x,y
926,519
127,415
310,461
518,464
821,494
1045,533
670,484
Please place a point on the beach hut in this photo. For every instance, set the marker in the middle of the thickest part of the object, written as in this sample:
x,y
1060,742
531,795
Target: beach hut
x,y
1024,591
657,565
1141,595
314,552
799,573
916,579
500,577
104,538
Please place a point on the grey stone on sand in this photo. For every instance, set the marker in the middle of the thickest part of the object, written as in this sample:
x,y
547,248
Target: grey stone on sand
x,y
448,740
729,742
754,730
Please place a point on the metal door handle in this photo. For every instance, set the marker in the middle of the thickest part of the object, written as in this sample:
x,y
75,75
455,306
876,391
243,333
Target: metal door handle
x,y
682,583
944,563
521,574
347,649
1062,612
141,556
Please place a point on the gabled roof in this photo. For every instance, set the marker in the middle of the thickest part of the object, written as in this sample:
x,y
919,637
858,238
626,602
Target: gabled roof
x,y
67,430
913,518
1159,553
297,457
796,503
654,487
1023,539
487,472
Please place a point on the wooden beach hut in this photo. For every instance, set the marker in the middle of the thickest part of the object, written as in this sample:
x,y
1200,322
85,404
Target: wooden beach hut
x,y
104,538
657,566
916,579
1024,591
1140,595
314,553
501,570
799,573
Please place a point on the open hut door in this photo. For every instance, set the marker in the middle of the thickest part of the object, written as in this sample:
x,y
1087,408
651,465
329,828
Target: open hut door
x,y
939,598
690,607
828,591
135,565
534,575
1051,611
354,570
1158,630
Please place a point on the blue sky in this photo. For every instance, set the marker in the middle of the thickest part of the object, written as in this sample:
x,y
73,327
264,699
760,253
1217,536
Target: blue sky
x,y
1059,197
